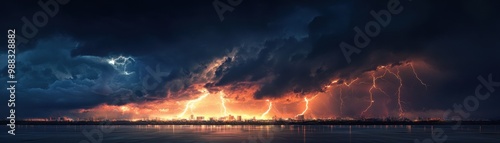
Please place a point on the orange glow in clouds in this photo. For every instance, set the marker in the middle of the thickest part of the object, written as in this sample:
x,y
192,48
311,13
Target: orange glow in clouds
x,y
237,99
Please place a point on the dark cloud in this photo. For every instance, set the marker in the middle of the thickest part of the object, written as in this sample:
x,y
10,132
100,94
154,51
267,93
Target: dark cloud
x,y
294,45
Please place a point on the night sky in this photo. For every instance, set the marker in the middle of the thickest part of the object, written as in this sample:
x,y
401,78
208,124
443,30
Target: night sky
x,y
284,49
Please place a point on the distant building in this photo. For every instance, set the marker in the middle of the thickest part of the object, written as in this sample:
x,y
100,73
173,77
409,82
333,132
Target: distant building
x,y
200,118
212,118
192,117
222,118
238,118
231,118
275,118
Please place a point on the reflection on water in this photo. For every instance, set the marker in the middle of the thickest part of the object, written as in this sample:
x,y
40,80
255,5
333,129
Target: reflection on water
x,y
246,133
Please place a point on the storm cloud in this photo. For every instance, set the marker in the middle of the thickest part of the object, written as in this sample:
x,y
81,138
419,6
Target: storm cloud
x,y
286,46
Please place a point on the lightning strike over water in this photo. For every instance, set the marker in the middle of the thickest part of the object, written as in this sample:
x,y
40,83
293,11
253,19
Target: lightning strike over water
x,y
191,102
374,86
416,76
341,94
371,94
340,84
268,109
307,106
401,111
223,104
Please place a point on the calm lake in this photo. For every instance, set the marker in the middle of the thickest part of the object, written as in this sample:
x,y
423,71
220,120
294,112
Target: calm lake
x,y
245,133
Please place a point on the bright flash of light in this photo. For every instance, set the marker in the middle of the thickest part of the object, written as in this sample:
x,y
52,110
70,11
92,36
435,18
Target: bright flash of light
x,y
335,81
332,83
191,103
120,63
124,109
268,109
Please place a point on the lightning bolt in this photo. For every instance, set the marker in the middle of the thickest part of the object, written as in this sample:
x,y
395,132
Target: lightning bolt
x,y
371,94
223,103
374,86
120,63
307,104
190,103
416,76
268,109
341,101
401,111
340,93
349,84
